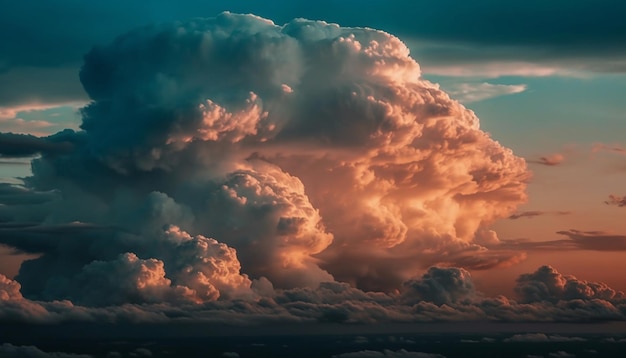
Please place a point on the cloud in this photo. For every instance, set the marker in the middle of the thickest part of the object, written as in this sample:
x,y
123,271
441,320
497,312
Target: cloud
x,y
547,284
535,213
10,351
576,240
141,352
545,296
602,147
475,92
542,337
550,160
616,200
453,59
360,172
39,88
43,69
562,354
494,69
198,190
402,353
39,119
10,113
440,286
596,240
26,145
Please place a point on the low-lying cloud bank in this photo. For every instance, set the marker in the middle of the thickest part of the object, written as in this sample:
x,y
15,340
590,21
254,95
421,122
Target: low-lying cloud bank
x,y
440,295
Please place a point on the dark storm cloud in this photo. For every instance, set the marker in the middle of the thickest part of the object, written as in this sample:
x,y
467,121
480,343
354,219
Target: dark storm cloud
x,y
440,286
18,195
26,145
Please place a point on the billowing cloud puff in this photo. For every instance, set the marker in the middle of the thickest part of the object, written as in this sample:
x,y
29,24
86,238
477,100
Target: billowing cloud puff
x,y
547,284
9,289
222,151
440,286
198,268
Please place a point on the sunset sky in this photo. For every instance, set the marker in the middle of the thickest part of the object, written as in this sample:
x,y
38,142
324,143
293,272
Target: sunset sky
x,y
170,156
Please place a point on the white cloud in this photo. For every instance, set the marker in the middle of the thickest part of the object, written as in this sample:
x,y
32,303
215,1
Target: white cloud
x,y
475,92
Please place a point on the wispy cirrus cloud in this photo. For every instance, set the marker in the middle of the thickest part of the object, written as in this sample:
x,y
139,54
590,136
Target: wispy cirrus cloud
x,y
575,240
475,92
596,240
535,213
39,119
611,148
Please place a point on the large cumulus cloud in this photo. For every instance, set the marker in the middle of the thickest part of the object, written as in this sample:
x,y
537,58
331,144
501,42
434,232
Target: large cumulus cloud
x,y
222,158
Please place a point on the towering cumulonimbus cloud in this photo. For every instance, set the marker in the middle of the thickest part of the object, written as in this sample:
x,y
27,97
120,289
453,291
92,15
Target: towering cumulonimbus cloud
x,y
221,152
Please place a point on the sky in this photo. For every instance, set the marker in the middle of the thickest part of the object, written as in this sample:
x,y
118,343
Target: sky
x,y
273,162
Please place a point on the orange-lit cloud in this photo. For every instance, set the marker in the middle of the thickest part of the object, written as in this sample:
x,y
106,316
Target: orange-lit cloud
x,y
239,156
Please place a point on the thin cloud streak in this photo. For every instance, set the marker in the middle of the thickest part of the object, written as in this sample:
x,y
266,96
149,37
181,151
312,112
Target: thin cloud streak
x,y
549,160
535,213
475,92
576,240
